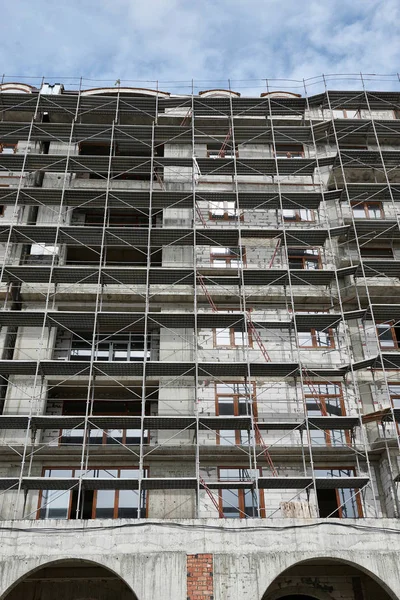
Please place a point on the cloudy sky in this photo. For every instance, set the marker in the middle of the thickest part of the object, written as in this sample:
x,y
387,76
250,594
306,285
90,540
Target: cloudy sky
x,y
208,40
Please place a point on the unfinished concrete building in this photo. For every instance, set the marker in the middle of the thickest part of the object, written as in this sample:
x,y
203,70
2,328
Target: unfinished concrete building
x,y
200,344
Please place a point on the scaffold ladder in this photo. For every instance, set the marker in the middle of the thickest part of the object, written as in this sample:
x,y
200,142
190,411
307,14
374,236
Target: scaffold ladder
x,y
200,215
265,449
309,383
278,245
259,437
255,335
159,180
212,497
221,153
206,292
186,117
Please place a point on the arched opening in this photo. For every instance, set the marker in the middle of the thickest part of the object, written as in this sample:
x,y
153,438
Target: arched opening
x,y
70,580
327,579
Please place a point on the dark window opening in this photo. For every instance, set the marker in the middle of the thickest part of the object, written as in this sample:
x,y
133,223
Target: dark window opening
x,y
327,504
94,149
339,503
383,253
289,151
112,256
45,147
223,150
107,436
115,218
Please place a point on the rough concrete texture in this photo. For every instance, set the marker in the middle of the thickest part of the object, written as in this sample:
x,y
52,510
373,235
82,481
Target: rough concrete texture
x,y
151,558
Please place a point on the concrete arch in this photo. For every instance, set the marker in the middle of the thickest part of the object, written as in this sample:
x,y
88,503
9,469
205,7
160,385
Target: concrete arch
x,y
68,563
19,88
280,94
271,594
219,93
142,92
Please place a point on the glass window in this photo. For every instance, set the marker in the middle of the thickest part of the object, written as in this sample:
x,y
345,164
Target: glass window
x,y
240,503
98,504
54,504
226,257
298,214
367,210
222,337
234,400
326,401
304,258
316,338
387,336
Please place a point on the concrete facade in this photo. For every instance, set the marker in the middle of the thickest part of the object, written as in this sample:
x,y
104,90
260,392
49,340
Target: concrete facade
x,y
200,349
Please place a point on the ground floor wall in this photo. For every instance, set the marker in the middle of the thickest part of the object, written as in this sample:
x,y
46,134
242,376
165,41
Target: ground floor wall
x,y
201,560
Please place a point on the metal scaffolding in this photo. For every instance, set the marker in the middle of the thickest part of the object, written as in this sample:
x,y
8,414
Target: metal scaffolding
x,y
200,259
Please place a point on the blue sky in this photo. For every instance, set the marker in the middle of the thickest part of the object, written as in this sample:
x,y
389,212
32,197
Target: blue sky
x,y
208,40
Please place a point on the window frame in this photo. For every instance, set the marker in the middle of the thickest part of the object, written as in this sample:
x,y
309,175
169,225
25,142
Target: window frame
x,y
356,491
212,206
232,338
314,339
241,495
94,501
315,258
389,325
228,258
345,113
112,342
236,405
4,145
322,398
365,206
297,215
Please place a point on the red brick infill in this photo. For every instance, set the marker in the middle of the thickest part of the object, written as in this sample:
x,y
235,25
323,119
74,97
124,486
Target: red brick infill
x,y
200,577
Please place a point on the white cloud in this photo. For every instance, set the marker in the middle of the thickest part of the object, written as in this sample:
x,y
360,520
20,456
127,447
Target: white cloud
x,y
208,40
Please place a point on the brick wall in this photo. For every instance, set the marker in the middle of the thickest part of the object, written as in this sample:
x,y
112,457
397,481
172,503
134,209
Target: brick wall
x,y
200,577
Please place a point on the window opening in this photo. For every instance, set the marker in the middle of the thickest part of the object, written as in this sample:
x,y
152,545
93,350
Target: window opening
x,y
388,336
316,338
289,151
226,257
340,503
367,210
94,504
234,400
239,503
223,211
325,400
308,259
298,214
